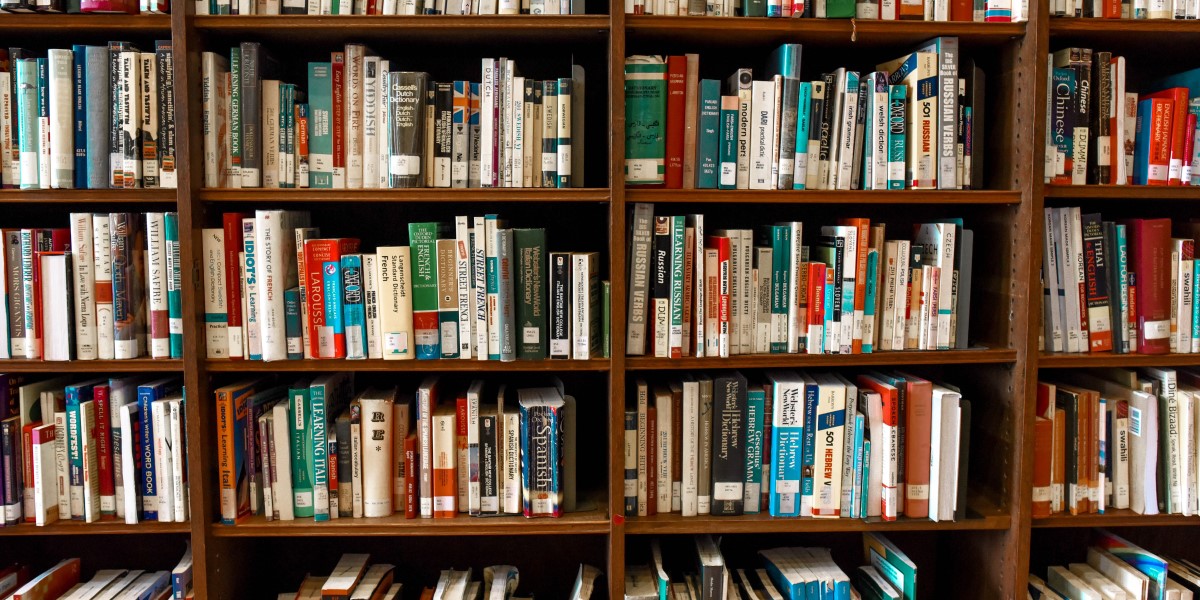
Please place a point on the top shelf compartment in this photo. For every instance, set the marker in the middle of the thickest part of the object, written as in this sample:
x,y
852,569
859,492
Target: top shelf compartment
x,y
318,29
727,30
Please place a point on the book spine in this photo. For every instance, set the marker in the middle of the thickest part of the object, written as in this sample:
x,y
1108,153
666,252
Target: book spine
x,y
460,154
174,285
395,305
215,316
371,299
505,297
156,286
293,330
423,242
530,248
148,101
442,133
320,396
728,446
565,127
146,468
301,455
353,309
585,305
407,122
446,282
125,262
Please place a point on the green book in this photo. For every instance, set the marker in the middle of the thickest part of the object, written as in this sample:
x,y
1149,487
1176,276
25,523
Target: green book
x,y
235,117
781,271
422,240
754,8
727,150
320,135
531,271
708,141
174,290
645,119
897,135
606,319
322,400
302,484
895,566
839,9
756,400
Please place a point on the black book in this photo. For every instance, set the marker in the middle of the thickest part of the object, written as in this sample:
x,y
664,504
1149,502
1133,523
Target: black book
x,y
116,155
866,87
256,66
530,248
443,132
1099,153
406,124
1095,270
167,172
976,99
560,305
489,494
17,6
816,112
1113,272
728,444
660,289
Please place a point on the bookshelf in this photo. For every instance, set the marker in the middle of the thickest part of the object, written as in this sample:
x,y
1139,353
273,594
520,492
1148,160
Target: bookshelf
x,y
989,552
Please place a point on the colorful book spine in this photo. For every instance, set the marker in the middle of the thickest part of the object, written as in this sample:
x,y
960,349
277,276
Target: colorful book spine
x,y
299,422
320,126
174,286
423,243
752,483
353,307
126,263
708,134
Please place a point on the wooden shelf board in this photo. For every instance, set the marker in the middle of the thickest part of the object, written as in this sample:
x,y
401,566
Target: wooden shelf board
x,y
443,365
1050,360
16,196
31,24
526,29
98,528
1147,30
592,522
981,356
829,31
138,365
1126,192
444,195
1114,518
825,196
674,523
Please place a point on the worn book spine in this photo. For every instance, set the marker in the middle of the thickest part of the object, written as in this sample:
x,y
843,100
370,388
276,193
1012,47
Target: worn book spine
x,y
728,444
128,304
531,273
406,119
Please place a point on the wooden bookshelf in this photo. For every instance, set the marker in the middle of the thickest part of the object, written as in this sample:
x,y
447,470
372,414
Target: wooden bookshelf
x,y
71,528
411,366
1124,192
140,365
1116,518
824,197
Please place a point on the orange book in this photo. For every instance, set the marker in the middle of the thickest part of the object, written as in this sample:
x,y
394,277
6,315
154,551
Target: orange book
x,y
888,444
1058,472
51,584
1043,441
912,9
860,276
233,481
410,476
1178,97
460,443
918,429
445,463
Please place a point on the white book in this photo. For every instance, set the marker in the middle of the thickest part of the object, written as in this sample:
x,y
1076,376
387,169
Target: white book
x,y
889,266
1133,582
848,104
464,276
511,476
214,68
84,284
371,113
1120,457
377,422
149,120
762,126
249,335
487,127
270,134
585,305
45,484
395,303
179,489
62,119
130,452
216,316
1174,444
661,446
281,484
939,240
696,223
371,304
1052,306
876,172
827,489
1187,454
479,306
690,448
276,273
1183,294
131,120
1070,586
161,417
943,452
102,280
517,134
355,55
156,286
55,317
8,169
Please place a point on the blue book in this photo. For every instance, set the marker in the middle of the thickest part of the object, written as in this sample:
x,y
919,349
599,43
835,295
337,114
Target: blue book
x,y
291,323
857,490
781,574
541,431
79,104
354,314
1123,281
808,454
97,85
76,396
727,151
320,107
709,139
897,135
785,61
174,284
752,482
787,441
331,283
870,298
1141,146
865,478
803,127
147,394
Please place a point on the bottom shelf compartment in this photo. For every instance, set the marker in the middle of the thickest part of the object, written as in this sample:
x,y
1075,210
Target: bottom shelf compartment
x,y
128,551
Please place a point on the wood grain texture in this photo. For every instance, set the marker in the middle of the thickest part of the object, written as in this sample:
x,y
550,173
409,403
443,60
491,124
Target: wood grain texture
x,y
957,197
70,528
1108,359
139,365
437,195
1115,518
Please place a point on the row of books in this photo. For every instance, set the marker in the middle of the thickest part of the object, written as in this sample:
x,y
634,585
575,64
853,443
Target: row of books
x,y
882,445
1117,568
108,287
1117,438
704,573
1125,9
1098,131
275,290
131,7
65,581
914,123
365,125
354,578
1123,286
992,11
319,449
723,292
390,7
95,450
88,117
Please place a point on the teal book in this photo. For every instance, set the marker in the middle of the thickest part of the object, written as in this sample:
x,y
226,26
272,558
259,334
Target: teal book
x,y
323,397
708,142
870,299
781,272
531,287
174,285
785,61
320,134
754,8
645,119
27,122
839,9
865,478
727,167
803,127
752,483
422,240
302,483
897,135
291,323
235,116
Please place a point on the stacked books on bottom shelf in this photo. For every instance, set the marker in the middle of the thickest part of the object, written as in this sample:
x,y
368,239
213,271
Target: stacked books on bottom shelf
x,y
317,449
96,450
1118,569
475,288
107,287
64,580
718,292
1117,438
803,444
353,578
786,572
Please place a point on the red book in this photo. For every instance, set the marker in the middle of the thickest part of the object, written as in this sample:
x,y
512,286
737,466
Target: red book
x,y
889,397
338,70
962,10
918,419
232,223
1043,444
335,501
13,576
53,583
104,450
676,96
1150,258
410,476
797,7
322,263
721,244
460,438
109,6
815,316
1178,97
1189,145
27,467
651,462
